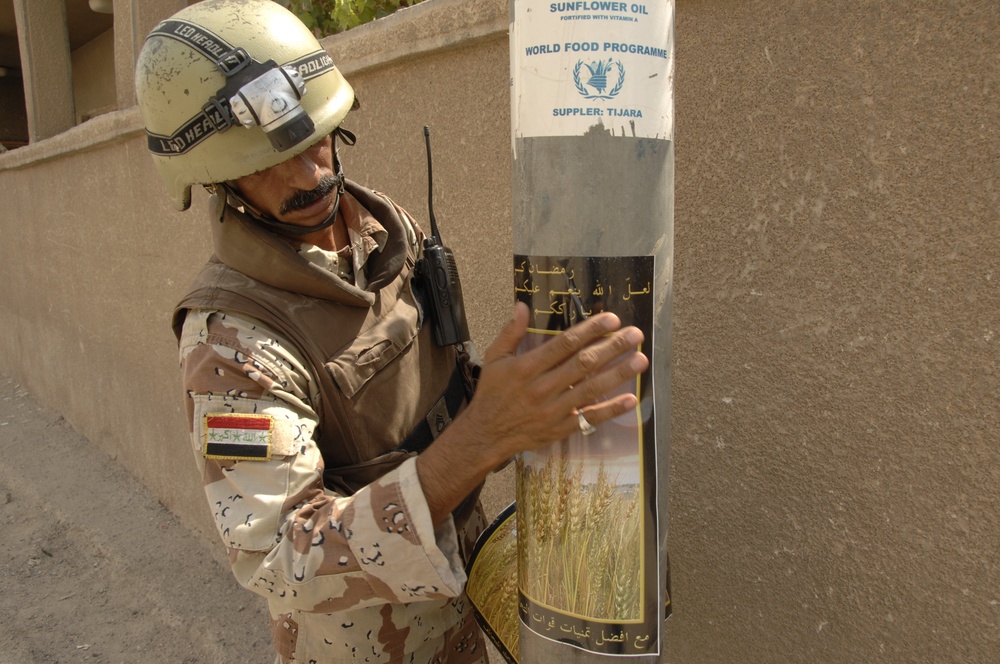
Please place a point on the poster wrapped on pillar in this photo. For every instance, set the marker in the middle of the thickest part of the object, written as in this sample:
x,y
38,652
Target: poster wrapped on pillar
x,y
578,65
575,559
576,570
587,550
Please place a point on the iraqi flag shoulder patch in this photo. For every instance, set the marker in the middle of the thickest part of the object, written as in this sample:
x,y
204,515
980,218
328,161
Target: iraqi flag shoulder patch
x,y
238,436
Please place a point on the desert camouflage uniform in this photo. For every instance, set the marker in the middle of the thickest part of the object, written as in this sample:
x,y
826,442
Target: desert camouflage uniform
x,y
359,578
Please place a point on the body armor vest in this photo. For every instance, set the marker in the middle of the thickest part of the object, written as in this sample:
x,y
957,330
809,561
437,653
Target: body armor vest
x,y
379,372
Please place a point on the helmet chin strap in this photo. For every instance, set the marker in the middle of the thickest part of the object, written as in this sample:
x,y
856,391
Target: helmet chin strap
x,y
232,193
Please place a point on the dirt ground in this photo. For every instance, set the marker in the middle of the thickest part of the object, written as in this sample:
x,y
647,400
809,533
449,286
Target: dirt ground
x,y
94,569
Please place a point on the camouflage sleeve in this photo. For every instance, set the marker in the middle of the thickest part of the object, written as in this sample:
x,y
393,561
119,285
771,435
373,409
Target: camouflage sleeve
x,y
248,398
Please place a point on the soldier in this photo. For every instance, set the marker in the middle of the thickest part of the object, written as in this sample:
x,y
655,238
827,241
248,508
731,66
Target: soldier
x,y
315,393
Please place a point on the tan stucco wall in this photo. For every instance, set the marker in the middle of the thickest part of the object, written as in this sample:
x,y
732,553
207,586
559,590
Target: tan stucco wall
x,y
836,448
836,401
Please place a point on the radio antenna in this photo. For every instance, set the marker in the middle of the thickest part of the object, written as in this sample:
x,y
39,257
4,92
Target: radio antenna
x,y
430,186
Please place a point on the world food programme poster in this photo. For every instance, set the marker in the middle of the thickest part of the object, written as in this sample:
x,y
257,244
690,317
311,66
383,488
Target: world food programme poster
x,y
592,62
577,561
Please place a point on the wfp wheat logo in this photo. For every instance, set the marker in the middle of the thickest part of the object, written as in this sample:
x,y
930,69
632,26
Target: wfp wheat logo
x,y
598,78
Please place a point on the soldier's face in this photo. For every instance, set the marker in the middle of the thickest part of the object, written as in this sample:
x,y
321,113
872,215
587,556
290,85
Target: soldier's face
x,y
298,191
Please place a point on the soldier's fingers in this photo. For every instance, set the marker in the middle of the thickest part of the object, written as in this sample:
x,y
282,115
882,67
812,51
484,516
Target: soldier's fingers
x,y
591,360
506,343
561,348
607,410
593,389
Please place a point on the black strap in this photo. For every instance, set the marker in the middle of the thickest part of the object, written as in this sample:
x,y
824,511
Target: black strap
x,y
231,190
215,115
228,59
424,433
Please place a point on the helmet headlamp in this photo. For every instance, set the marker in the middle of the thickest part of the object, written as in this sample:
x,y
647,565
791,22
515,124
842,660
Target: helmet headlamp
x,y
268,97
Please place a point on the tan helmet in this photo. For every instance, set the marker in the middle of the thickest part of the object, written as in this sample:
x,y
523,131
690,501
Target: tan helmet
x,y
228,88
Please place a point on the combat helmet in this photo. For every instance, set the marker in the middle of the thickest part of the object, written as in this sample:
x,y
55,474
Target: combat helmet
x,y
228,88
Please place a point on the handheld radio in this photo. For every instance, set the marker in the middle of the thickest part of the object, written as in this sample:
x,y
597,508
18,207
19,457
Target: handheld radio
x,y
439,276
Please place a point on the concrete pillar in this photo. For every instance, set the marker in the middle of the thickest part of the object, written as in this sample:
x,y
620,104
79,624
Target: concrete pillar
x,y
593,206
133,21
46,67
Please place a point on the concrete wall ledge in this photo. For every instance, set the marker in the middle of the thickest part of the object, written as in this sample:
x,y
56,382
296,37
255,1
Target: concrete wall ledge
x,y
102,130
430,26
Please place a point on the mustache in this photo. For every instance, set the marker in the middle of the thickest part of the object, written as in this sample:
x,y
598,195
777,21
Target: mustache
x,y
302,199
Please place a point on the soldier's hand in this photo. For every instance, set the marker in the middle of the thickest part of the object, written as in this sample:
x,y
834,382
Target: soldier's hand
x,y
528,401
